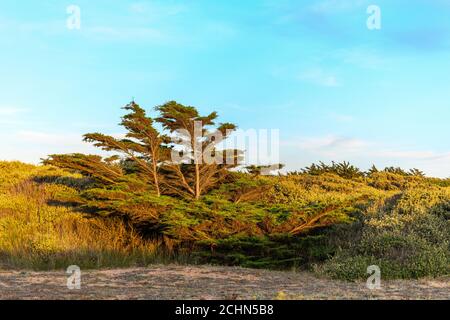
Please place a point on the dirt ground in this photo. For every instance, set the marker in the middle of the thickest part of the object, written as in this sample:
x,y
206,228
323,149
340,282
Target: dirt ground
x,y
206,282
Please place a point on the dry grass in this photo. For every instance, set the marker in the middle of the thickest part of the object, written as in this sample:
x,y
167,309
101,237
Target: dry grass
x,y
35,234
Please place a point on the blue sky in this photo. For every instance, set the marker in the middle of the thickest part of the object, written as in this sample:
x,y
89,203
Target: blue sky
x,y
334,88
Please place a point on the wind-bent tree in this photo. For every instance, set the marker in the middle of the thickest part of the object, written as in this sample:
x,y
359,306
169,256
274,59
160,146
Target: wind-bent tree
x,y
142,148
372,170
143,143
163,161
199,165
105,171
152,156
416,173
343,169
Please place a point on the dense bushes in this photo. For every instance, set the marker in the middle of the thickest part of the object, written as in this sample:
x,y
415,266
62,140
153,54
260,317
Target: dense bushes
x,y
407,236
280,251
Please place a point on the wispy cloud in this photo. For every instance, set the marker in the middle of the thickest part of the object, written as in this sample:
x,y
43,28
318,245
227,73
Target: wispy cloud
x,y
36,145
408,154
57,138
12,116
422,39
126,33
48,27
333,6
339,148
333,144
44,138
157,9
154,24
327,145
344,118
319,77
40,144
10,111
433,163
361,57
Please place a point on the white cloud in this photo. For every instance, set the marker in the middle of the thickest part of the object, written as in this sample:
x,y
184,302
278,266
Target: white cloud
x,y
361,57
11,111
333,6
319,77
363,153
123,28
11,116
47,27
44,138
328,145
32,146
417,155
57,138
431,162
155,9
138,7
126,33
342,117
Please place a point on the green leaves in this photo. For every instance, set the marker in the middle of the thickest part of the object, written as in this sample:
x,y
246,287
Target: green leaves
x,y
104,172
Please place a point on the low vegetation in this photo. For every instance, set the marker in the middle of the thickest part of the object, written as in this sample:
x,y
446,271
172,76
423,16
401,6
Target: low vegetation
x,y
38,233
139,207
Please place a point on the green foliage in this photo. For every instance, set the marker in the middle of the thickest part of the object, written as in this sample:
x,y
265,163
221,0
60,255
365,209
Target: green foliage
x,y
103,171
201,166
344,170
274,252
394,181
349,171
407,236
187,164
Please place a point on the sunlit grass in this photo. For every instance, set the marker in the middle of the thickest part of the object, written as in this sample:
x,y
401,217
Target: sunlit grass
x,y
35,234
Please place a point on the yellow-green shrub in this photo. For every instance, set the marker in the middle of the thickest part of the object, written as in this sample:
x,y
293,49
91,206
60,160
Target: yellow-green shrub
x,y
34,233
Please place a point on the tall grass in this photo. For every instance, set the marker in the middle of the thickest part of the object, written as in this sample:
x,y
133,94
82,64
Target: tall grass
x,y
35,234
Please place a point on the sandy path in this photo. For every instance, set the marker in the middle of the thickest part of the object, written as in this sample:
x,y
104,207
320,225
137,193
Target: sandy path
x,y
206,282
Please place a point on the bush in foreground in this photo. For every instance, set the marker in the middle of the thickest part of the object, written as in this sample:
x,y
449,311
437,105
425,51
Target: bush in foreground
x,y
407,237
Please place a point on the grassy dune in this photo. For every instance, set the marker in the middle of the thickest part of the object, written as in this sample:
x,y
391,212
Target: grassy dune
x,y
38,234
400,223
